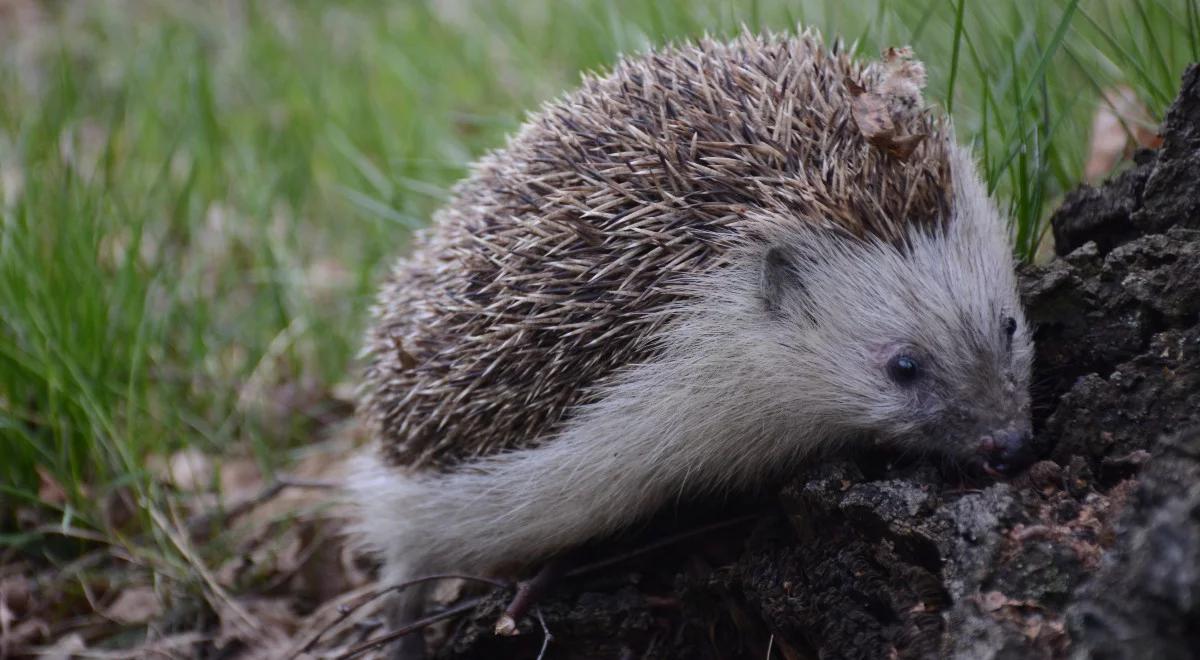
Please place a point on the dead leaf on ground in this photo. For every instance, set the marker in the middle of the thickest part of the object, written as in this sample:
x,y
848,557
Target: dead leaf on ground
x,y
120,508
187,469
270,623
16,591
23,611
17,635
67,647
323,571
135,605
1121,124
240,479
49,490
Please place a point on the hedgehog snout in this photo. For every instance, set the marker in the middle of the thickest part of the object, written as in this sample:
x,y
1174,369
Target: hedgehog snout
x,y
1006,452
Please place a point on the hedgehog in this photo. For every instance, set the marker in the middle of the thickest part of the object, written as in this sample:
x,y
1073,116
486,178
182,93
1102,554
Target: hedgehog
x,y
694,273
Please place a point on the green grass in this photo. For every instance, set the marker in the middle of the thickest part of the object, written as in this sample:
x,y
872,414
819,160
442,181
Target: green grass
x,y
199,198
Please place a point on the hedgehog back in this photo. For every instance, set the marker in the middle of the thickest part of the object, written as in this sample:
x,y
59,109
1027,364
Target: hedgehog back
x,y
565,251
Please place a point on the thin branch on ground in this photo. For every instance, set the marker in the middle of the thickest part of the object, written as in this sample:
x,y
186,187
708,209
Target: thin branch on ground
x,y
345,611
526,597
528,593
200,523
659,544
369,645
546,636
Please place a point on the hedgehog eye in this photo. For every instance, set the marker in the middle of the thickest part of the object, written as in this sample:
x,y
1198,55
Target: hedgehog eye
x,y
904,369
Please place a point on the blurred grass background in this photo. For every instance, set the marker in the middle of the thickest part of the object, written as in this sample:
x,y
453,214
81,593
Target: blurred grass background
x,y
199,198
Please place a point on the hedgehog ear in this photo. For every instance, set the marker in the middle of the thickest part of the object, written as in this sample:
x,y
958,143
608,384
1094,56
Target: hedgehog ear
x,y
779,278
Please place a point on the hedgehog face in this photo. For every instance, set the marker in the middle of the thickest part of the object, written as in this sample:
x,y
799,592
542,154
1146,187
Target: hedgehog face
x,y
925,346
967,398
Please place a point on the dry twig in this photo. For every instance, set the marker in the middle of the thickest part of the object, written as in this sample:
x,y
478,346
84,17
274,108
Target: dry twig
x,y
528,593
447,613
345,611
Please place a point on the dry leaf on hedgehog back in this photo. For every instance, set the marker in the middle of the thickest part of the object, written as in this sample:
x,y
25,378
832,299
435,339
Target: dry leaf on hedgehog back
x,y
902,83
896,99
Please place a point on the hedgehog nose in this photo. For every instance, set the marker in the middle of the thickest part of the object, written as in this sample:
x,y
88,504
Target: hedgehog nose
x,y
1006,452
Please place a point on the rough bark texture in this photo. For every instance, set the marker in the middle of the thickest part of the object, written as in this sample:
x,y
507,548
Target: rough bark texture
x,y
1094,552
